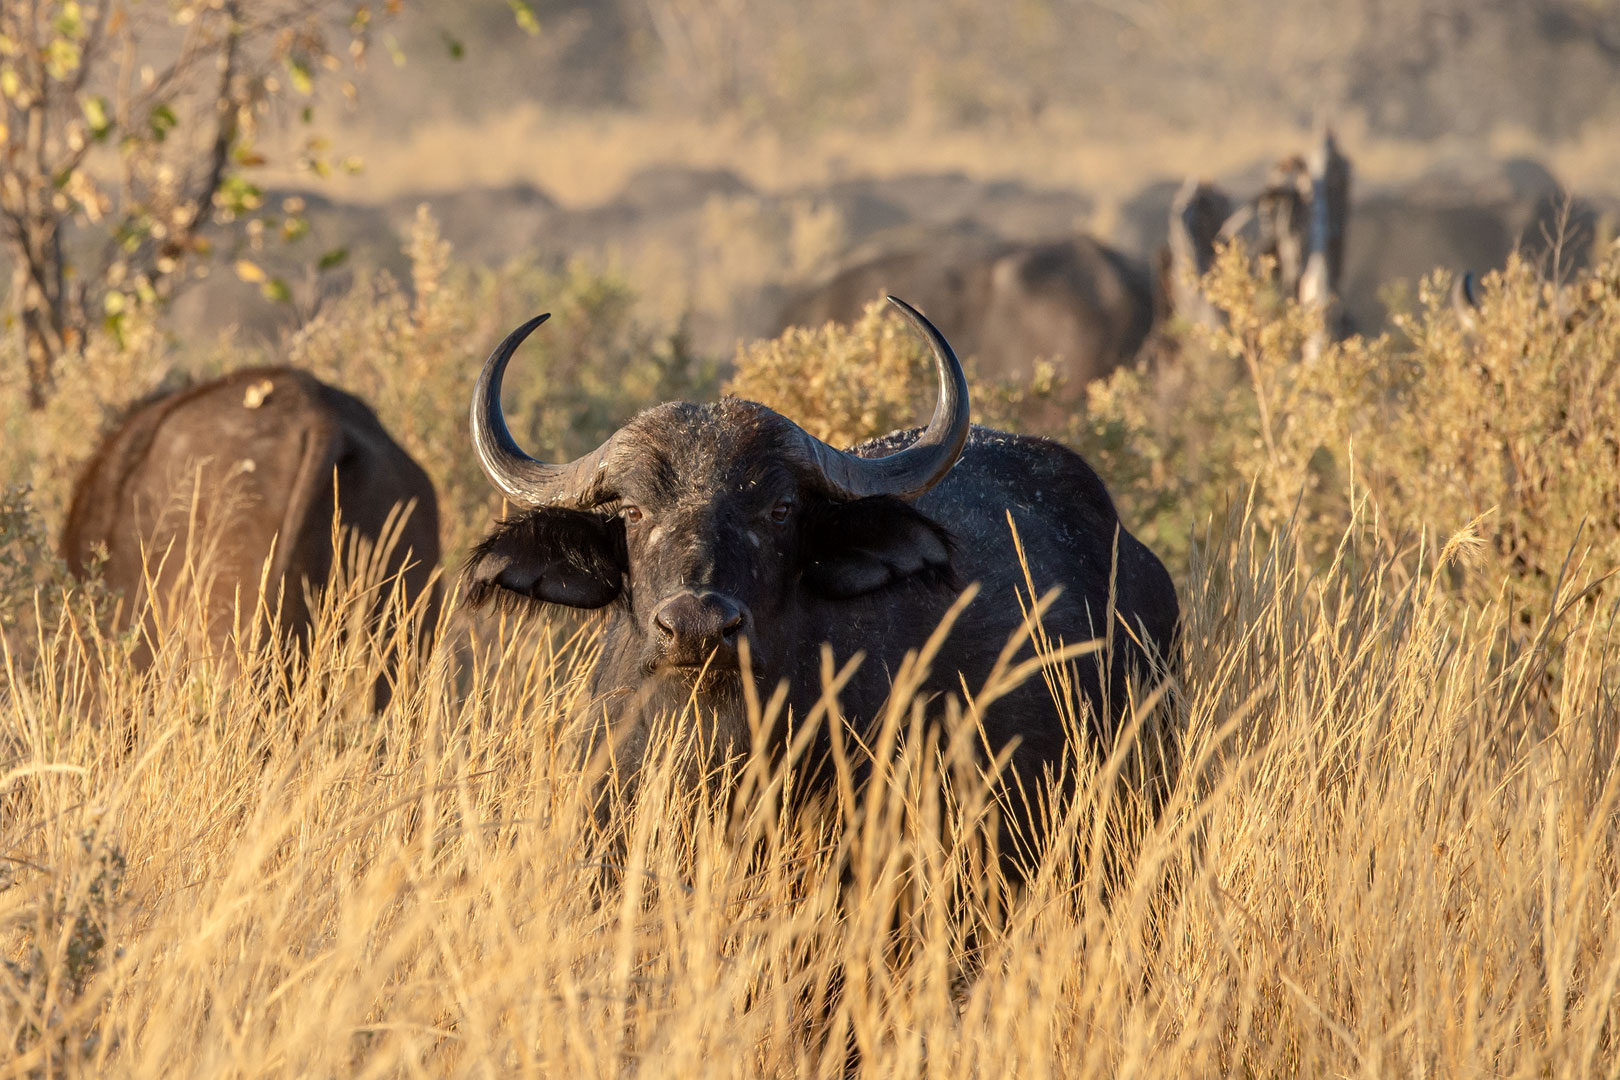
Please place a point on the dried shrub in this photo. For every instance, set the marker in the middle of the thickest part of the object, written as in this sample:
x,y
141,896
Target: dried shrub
x,y
1509,419
843,384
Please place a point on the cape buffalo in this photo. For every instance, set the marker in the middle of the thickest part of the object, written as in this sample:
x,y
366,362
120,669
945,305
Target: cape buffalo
x,y
695,526
201,488
1075,302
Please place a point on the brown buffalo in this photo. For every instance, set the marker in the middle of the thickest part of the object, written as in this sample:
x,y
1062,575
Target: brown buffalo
x,y
1075,302
232,482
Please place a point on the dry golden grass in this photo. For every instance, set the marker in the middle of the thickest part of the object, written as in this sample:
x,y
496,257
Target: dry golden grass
x,y
1393,848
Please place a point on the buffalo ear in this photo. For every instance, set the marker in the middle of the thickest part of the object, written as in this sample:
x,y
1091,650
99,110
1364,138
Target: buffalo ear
x,y
567,557
861,546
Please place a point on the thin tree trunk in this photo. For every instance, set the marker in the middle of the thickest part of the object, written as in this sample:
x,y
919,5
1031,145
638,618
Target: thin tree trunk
x,y
39,297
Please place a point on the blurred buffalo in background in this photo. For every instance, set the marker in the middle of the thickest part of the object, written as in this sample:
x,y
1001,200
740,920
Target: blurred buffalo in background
x,y
199,496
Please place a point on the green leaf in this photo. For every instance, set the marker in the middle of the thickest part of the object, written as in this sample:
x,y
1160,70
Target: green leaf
x,y
162,121
62,58
132,230
69,21
114,325
275,290
298,71
453,44
524,14
335,257
238,195
97,116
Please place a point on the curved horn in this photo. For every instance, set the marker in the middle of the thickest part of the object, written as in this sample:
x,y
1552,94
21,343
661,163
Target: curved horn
x,y
925,462
523,480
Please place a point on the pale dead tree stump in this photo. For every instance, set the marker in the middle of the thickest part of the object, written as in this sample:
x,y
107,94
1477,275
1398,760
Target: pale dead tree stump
x,y
1328,220
1197,214
1298,221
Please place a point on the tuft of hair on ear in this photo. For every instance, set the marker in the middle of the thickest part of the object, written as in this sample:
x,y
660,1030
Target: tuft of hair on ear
x,y
874,543
572,558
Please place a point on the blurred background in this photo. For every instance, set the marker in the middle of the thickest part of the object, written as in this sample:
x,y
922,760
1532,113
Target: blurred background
x,y
721,155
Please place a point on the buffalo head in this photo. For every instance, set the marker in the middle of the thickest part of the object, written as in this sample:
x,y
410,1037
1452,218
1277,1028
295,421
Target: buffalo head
x,y
697,526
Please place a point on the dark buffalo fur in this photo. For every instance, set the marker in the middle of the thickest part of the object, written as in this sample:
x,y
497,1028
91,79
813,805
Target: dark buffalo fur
x,y
873,575
261,448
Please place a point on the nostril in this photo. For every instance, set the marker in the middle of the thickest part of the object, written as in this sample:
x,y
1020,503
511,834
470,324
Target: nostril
x,y
698,622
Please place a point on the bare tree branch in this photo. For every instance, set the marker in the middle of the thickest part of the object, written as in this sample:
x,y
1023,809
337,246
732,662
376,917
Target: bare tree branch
x,y
77,79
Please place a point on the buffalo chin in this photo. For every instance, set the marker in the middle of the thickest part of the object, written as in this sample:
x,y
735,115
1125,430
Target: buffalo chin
x,y
685,703
716,678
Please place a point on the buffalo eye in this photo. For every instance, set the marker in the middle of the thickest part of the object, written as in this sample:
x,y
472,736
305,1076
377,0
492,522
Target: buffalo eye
x,y
779,512
632,515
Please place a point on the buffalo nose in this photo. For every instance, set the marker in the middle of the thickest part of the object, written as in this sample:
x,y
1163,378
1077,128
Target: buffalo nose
x,y
694,625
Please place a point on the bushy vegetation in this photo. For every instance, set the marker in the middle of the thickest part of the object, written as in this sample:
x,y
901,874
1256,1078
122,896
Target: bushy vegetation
x,y
1393,847
842,384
